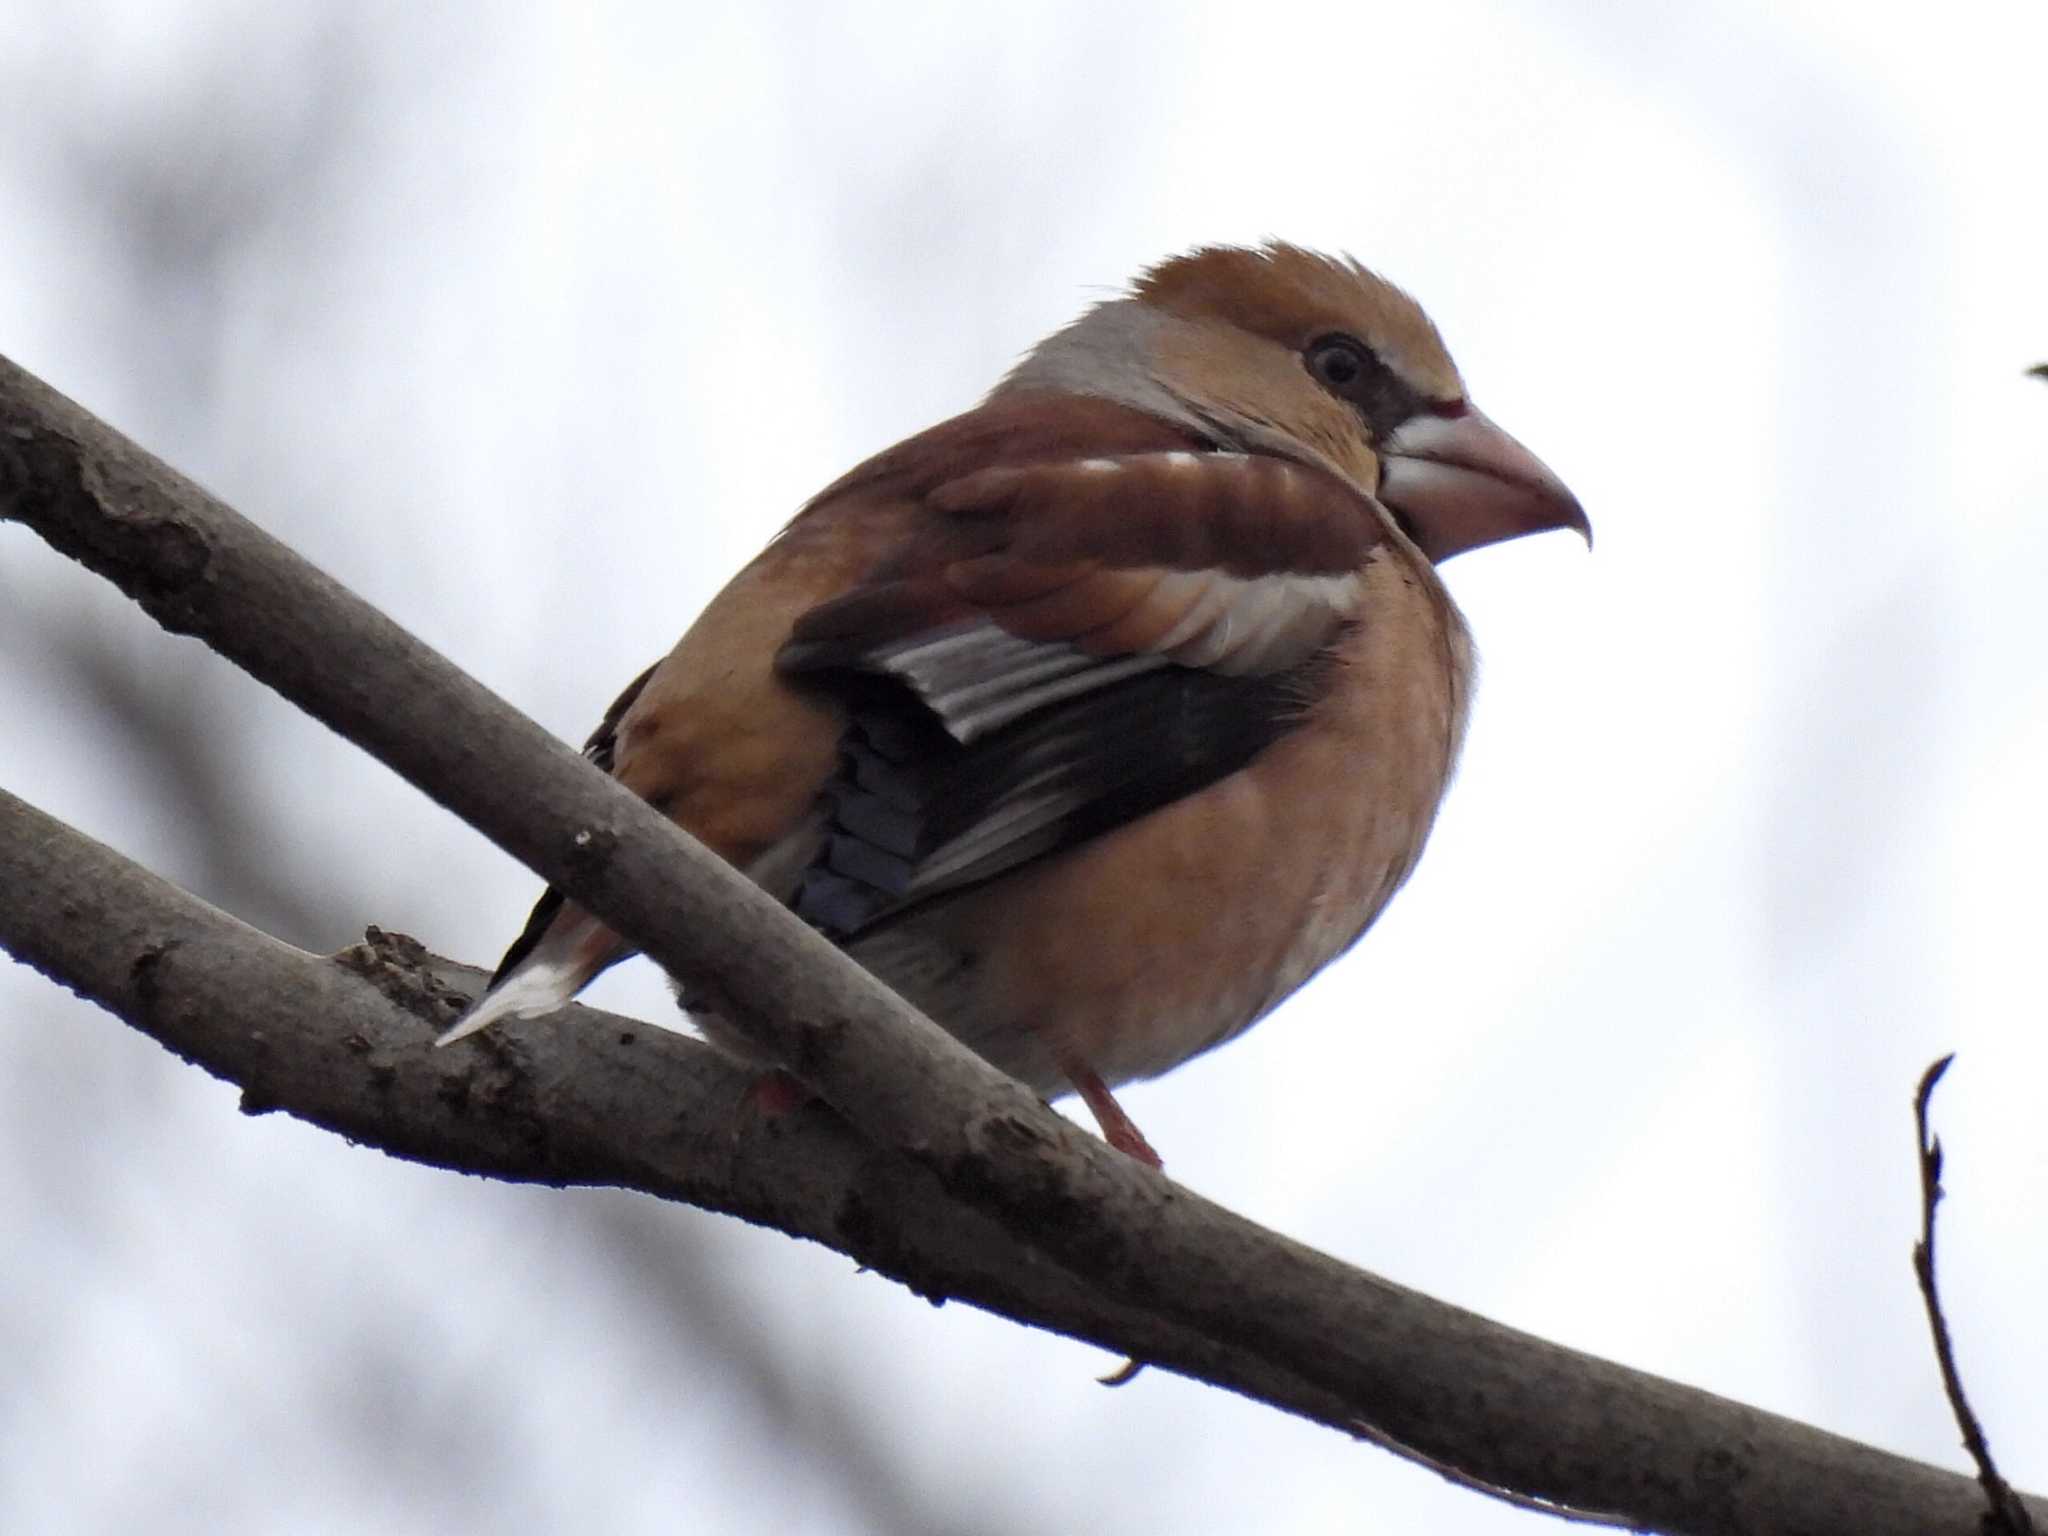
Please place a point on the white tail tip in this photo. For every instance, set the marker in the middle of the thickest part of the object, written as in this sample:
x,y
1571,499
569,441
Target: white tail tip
x,y
538,987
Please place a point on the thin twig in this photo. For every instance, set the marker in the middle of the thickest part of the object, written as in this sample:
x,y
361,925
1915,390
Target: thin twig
x,y
2007,1516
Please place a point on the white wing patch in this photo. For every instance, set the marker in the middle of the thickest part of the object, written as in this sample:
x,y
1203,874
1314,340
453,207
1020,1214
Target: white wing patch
x,y
1244,626
978,677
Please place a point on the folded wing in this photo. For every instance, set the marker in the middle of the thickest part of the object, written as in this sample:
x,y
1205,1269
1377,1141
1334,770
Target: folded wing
x,y
1066,646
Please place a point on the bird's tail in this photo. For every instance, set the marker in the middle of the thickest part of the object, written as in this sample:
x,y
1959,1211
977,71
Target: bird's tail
x,y
562,949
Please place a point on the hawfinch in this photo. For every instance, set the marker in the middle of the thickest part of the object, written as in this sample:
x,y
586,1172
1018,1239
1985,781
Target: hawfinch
x,y
1097,720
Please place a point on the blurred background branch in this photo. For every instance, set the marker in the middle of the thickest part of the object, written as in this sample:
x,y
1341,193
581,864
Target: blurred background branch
x,y
483,307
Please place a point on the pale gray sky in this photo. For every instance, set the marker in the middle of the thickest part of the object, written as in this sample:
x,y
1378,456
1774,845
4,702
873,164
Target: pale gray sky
x,y
531,323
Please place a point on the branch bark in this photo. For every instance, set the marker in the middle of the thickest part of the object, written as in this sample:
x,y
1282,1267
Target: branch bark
x,y
943,1173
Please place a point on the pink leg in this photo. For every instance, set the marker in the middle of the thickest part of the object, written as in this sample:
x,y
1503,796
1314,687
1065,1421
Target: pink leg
x,y
1119,1131
768,1095
1117,1128
774,1094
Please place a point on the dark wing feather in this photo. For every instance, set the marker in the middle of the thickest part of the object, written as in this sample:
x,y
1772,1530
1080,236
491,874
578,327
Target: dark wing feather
x,y
916,812
599,749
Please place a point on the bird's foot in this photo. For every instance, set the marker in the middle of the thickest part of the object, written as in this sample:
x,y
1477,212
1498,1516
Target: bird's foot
x,y
775,1093
1117,1127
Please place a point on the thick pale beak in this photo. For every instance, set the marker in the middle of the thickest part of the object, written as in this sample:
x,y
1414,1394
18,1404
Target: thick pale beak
x,y
1459,482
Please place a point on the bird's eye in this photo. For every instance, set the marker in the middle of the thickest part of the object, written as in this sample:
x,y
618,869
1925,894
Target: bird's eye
x,y
1336,363
1355,374
1340,363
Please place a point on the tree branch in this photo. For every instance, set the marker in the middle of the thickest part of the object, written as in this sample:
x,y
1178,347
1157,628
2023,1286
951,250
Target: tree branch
x,y
2005,1515
582,1097
949,1176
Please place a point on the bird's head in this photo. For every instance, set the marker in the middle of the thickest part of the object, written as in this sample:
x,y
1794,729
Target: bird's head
x,y
1280,350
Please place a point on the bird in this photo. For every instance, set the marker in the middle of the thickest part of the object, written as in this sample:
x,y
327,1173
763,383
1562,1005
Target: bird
x,y
1094,721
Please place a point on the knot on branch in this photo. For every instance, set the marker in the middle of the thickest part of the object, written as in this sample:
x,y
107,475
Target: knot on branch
x,y
96,513
408,973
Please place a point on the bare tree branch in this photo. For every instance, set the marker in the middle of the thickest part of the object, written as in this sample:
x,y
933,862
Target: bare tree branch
x,y
947,1175
2006,1516
582,1097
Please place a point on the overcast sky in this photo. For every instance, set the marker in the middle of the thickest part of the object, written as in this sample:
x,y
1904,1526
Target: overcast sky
x,y
532,323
